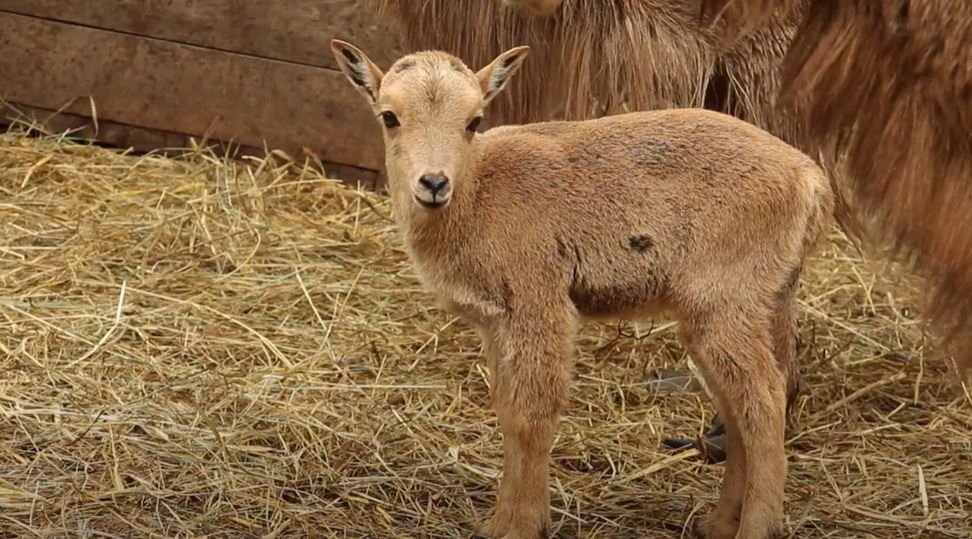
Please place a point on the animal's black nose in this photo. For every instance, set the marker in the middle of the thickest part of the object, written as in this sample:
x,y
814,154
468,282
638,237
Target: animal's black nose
x,y
435,183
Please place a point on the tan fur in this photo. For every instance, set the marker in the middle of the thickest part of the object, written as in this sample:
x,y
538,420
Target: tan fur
x,y
880,91
676,64
685,211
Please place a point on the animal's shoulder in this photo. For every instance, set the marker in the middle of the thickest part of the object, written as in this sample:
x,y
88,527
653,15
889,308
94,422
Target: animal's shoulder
x,y
524,150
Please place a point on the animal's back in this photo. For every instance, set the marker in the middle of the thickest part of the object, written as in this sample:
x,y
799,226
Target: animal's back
x,y
656,143
675,166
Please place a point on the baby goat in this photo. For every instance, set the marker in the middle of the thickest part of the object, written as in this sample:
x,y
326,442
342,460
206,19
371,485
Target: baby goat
x,y
523,230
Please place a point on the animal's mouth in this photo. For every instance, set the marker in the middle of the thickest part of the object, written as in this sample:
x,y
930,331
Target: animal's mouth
x,y
435,204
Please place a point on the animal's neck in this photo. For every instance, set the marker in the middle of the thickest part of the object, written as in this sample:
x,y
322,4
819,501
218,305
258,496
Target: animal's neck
x,y
429,234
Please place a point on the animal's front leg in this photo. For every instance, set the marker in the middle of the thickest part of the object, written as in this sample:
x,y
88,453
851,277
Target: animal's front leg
x,y
529,389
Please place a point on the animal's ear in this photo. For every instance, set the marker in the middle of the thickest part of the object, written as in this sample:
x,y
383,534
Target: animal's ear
x,y
359,69
494,76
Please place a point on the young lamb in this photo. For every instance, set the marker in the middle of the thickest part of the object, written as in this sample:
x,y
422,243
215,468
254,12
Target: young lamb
x,y
523,230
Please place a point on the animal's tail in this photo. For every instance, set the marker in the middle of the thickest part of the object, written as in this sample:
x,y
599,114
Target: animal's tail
x,y
823,201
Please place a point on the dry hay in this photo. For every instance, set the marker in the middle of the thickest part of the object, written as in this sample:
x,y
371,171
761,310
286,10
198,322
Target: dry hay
x,y
199,347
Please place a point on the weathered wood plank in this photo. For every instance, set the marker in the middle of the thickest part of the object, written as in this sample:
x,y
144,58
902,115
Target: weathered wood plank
x,y
295,30
185,89
143,140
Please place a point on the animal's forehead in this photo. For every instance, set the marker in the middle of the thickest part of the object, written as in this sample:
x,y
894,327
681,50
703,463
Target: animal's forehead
x,y
432,78
429,62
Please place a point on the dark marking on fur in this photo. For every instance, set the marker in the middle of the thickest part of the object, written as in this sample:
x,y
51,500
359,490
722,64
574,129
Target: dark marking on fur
x,y
649,153
364,86
506,294
640,243
597,297
789,287
570,254
357,76
404,65
562,249
578,261
351,57
457,65
660,146
899,23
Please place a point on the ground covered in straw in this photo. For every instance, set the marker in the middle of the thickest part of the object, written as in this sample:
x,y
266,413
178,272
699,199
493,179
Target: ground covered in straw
x,y
202,348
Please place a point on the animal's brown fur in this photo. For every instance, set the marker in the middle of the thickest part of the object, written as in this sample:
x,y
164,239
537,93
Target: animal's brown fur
x,y
685,211
891,80
537,7
601,77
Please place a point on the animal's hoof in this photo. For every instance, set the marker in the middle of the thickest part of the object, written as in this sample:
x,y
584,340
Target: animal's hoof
x,y
712,528
504,529
712,444
491,529
713,448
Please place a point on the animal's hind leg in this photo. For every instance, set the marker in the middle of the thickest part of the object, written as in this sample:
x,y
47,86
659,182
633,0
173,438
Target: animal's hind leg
x,y
724,521
734,350
713,444
785,331
529,388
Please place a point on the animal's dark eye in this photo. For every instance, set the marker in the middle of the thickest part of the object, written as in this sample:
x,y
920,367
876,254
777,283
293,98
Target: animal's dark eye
x,y
474,124
390,119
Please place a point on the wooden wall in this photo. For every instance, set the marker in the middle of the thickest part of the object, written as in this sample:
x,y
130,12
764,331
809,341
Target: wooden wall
x,y
151,73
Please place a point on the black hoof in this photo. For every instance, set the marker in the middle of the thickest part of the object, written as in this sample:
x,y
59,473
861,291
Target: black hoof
x,y
712,444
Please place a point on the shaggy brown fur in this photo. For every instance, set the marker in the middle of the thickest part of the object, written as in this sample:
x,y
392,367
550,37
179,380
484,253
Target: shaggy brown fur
x,y
524,230
891,81
587,53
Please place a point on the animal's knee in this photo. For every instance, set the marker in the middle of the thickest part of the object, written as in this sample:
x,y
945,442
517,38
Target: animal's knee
x,y
756,389
761,414
527,401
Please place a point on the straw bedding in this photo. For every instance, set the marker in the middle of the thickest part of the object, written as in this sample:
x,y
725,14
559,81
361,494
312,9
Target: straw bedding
x,y
197,347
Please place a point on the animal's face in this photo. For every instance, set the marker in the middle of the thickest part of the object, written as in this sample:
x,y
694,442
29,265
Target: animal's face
x,y
544,8
430,106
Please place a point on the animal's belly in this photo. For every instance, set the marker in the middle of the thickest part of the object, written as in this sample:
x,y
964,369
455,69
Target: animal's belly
x,y
628,302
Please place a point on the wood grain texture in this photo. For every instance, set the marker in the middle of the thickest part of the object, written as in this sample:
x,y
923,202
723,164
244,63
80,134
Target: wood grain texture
x,y
292,30
142,140
179,88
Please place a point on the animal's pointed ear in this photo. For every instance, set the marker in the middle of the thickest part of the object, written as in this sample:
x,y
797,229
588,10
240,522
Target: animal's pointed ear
x,y
360,70
494,76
